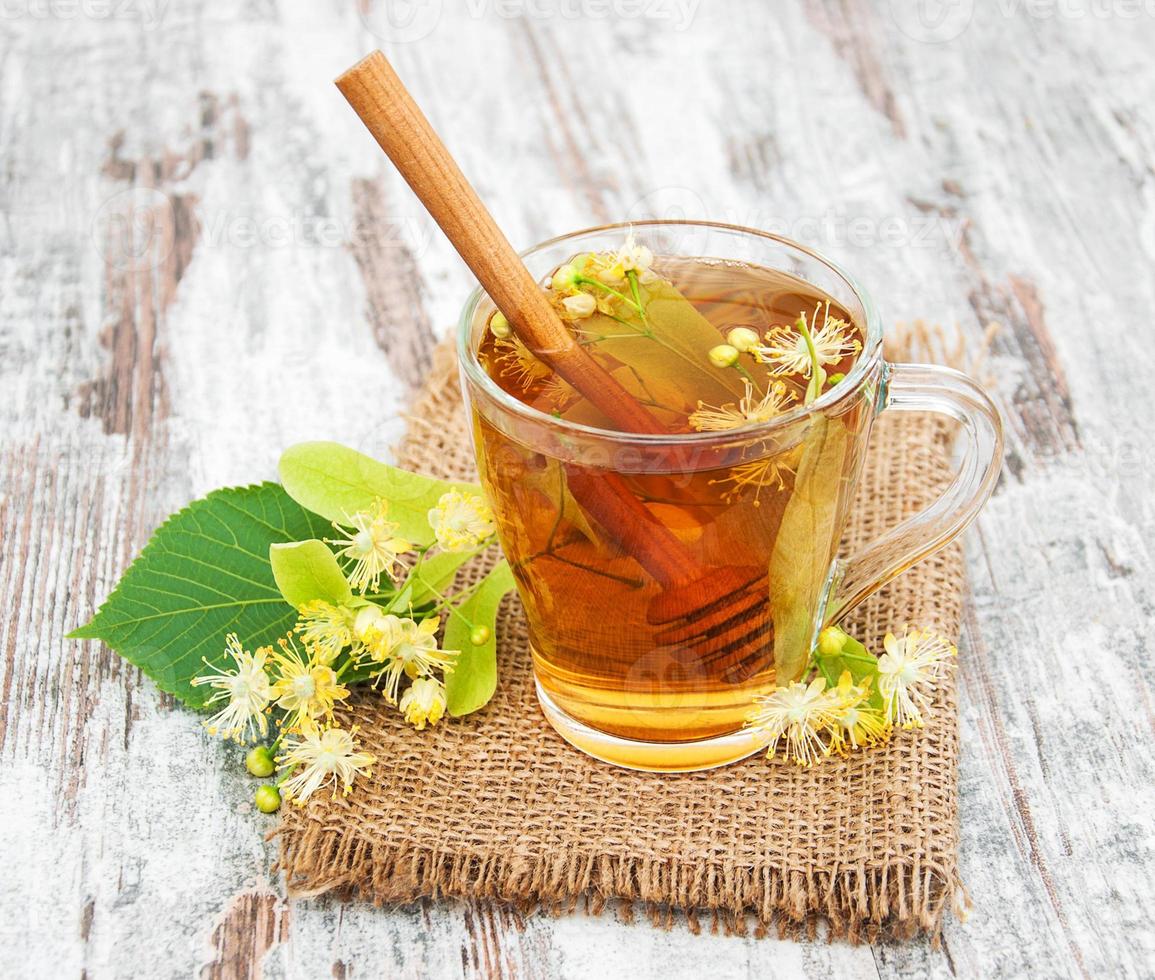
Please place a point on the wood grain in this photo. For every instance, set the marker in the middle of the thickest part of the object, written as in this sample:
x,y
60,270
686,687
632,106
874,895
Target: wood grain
x,y
1007,173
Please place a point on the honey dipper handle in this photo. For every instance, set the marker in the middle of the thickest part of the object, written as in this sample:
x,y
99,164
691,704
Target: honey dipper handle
x,y
378,96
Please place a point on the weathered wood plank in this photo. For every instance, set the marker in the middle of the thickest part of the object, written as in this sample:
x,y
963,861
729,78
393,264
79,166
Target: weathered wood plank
x,y
285,286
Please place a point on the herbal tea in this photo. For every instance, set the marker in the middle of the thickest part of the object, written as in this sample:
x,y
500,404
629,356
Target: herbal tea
x,y
667,584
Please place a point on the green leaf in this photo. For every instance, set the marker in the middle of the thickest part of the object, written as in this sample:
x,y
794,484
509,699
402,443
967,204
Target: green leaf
x,y
205,573
805,546
473,679
308,570
336,482
664,360
854,657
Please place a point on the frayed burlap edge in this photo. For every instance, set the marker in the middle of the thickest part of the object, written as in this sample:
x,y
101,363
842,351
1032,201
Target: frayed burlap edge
x,y
320,853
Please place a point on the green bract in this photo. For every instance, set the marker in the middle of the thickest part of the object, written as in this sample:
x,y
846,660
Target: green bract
x,y
800,561
205,573
474,677
307,570
337,482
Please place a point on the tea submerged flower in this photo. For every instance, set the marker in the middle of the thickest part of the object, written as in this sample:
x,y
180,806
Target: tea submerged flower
x,y
787,352
750,409
326,756
519,361
246,689
371,543
461,521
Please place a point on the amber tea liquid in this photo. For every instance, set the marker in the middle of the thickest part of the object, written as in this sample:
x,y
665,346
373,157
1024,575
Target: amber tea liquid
x,y
672,648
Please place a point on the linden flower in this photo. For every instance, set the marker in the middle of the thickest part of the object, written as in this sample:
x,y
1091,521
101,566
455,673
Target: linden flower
x,y
909,672
371,543
328,755
461,521
795,714
768,472
375,633
557,391
326,629
246,688
414,654
518,361
580,305
633,257
855,723
424,702
787,352
749,410
305,689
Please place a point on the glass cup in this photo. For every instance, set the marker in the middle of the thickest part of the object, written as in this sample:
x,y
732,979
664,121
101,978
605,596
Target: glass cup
x,y
669,579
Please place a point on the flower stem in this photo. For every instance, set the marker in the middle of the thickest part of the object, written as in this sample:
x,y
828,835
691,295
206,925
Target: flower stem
x,y
817,375
587,281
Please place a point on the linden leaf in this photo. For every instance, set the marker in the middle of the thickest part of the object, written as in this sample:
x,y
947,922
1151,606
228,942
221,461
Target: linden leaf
x,y
473,680
308,570
804,547
205,573
336,482
664,361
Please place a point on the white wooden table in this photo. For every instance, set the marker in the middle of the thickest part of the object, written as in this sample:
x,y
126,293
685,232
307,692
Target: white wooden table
x,y
970,161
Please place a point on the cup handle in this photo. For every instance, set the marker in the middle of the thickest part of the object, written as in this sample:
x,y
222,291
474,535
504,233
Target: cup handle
x,y
926,388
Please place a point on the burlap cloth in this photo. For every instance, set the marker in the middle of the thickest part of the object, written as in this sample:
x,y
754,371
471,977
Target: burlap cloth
x,y
496,806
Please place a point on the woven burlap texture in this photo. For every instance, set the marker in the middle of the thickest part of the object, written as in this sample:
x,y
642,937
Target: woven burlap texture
x,y
496,806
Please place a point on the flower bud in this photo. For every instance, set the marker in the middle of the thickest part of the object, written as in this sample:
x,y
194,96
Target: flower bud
x,y
831,641
499,325
723,356
267,798
565,278
479,635
259,762
742,339
580,304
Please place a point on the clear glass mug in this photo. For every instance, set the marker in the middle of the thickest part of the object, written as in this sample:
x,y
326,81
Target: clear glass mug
x,y
659,608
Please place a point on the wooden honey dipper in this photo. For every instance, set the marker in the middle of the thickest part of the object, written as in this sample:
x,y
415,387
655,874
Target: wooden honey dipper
x,y
715,610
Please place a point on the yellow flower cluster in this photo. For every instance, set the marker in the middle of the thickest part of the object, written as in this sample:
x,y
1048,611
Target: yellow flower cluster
x,y
809,721
301,685
295,681
396,648
602,282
